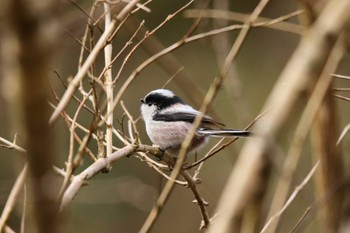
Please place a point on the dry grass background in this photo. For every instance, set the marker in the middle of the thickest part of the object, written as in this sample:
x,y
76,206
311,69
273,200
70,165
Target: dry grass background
x,y
74,155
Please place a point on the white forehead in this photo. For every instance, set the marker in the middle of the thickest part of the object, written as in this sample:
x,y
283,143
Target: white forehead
x,y
163,92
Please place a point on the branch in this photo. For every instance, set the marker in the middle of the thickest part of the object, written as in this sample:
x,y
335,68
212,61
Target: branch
x,y
108,84
12,145
240,17
192,183
100,164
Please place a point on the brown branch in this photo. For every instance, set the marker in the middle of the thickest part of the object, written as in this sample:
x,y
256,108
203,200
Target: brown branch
x,y
191,182
199,199
324,141
300,220
341,76
277,23
331,174
343,133
108,85
12,145
69,163
342,97
98,166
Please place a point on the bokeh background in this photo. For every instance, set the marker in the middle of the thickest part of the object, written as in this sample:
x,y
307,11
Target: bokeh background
x,y
120,200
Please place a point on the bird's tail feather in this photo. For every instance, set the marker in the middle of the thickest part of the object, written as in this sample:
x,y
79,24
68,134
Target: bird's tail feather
x,y
224,133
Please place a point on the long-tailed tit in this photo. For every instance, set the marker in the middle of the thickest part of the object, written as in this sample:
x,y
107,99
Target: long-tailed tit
x,y
168,120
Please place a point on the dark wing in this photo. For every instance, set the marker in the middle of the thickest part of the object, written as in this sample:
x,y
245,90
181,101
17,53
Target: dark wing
x,y
187,117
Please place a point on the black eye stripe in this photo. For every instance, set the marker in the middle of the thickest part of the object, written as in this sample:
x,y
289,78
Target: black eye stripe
x,y
162,101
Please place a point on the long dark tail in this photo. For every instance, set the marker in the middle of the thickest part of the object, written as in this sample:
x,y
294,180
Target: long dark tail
x,y
224,133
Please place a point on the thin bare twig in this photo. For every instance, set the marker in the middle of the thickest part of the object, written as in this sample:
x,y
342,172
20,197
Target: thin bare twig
x,y
291,197
148,34
341,76
342,97
24,209
65,86
132,122
70,164
199,199
277,23
340,89
12,199
343,133
300,220
172,77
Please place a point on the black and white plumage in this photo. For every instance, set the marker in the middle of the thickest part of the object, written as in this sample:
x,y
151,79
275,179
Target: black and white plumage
x,y
168,120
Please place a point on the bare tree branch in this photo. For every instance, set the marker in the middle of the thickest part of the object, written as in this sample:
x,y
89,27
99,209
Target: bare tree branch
x,y
99,165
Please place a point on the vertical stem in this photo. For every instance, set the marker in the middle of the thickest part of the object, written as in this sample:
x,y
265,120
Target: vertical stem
x,y
331,173
109,84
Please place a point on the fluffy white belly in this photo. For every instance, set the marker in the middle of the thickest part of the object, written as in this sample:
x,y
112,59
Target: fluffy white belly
x,y
170,135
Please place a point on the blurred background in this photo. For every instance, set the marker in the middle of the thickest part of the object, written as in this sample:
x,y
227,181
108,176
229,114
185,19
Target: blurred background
x,y
119,201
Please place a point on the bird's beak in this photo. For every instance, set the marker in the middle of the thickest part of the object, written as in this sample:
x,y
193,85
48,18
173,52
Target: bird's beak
x,y
142,101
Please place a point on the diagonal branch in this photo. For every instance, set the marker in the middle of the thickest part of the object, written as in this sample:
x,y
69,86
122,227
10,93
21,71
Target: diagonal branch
x,y
12,199
100,164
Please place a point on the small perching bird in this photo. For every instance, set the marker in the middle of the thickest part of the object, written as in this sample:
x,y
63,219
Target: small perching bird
x,y
168,120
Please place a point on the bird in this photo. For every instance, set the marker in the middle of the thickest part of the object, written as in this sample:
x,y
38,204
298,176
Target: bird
x,y
168,119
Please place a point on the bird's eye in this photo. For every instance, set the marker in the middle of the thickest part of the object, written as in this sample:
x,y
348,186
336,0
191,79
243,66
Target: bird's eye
x,y
150,105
